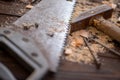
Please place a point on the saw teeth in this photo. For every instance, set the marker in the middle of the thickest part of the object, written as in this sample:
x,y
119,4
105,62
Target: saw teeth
x,y
69,26
73,11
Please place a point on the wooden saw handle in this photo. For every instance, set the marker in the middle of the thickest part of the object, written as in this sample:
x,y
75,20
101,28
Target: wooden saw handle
x,y
107,27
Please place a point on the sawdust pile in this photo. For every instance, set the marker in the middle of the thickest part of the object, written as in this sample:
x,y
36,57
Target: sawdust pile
x,y
76,49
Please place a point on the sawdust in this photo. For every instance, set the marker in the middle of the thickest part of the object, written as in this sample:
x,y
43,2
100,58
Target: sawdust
x,y
29,26
83,5
76,50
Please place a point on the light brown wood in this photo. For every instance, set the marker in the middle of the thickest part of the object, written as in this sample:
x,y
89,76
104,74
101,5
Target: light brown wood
x,y
107,27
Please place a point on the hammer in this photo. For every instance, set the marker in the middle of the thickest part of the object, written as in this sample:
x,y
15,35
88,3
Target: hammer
x,y
97,17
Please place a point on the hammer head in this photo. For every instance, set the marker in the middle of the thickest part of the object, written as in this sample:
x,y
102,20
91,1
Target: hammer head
x,y
82,21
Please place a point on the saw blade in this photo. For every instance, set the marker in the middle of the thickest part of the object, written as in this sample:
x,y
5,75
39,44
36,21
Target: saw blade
x,y
48,23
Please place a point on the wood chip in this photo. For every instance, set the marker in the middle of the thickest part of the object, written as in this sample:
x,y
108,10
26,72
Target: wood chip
x,y
77,41
118,20
105,2
114,6
68,51
84,33
29,6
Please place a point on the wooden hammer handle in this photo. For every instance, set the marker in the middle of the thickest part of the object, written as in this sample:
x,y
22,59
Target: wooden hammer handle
x,y
107,27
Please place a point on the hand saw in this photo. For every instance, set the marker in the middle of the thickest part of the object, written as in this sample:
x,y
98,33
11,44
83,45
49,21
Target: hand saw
x,y
52,19
48,25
